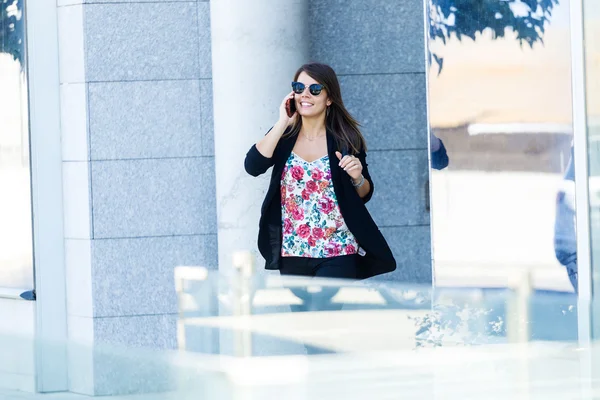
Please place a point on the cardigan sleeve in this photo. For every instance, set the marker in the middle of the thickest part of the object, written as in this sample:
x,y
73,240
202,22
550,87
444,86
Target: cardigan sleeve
x,y
255,163
439,158
362,156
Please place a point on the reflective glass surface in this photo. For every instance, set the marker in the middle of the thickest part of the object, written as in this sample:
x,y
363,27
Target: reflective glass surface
x,y
273,315
304,338
500,101
591,20
16,253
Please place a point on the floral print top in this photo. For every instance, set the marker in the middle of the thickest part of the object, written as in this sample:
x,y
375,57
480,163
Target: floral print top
x,y
313,225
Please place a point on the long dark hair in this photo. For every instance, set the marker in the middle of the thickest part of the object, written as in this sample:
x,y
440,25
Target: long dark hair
x,y
338,121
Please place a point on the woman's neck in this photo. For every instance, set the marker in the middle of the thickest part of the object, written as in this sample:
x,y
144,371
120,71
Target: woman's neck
x,y
313,127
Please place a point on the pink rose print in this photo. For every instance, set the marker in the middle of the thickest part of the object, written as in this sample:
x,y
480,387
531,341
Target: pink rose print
x,y
333,249
307,196
311,186
287,226
290,206
297,172
317,174
326,205
303,231
318,233
298,214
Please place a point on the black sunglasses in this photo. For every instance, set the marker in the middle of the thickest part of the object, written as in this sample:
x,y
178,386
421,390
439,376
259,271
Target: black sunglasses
x,y
299,87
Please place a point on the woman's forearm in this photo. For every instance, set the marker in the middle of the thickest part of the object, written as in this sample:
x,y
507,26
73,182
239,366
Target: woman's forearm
x,y
266,146
364,189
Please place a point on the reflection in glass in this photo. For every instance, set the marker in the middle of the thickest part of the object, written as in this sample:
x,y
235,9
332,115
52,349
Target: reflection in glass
x,y
361,317
591,23
500,102
16,259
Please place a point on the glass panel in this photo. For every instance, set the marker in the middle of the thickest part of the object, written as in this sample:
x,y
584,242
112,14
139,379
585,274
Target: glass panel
x,y
500,101
591,18
16,254
299,315
270,337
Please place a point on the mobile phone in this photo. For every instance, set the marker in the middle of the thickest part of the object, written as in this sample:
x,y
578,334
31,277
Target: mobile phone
x,y
290,107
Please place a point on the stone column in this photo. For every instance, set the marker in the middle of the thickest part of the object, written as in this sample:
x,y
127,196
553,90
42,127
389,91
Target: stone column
x,y
256,48
138,179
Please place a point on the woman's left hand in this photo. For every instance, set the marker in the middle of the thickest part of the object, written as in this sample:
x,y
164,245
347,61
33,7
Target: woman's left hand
x,y
351,165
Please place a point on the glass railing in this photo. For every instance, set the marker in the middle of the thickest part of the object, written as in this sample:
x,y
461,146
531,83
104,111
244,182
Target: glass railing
x,y
246,335
244,315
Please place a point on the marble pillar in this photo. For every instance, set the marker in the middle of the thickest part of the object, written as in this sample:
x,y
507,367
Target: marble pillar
x,y
256,48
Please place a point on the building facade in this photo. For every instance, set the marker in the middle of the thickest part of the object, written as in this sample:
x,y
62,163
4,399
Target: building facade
x,y
124,126
138,117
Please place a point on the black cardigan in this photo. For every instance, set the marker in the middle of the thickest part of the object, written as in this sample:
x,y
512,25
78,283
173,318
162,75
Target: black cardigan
x,y
378,258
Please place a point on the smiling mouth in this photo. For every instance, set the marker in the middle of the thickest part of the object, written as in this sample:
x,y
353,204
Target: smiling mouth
x,y
305,105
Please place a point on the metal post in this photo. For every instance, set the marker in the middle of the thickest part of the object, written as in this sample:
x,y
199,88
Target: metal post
x,y
580,147
183,275
518,330
518,311
243,264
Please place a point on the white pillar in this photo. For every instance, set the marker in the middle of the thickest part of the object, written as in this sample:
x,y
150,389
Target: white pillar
x,y
580,147
256,48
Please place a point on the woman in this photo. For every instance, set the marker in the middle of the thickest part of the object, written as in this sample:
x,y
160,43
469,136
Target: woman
x,y
313,220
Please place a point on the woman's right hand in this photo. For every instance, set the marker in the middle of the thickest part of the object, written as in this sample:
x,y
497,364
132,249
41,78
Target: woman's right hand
x,y
266,146
284,119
